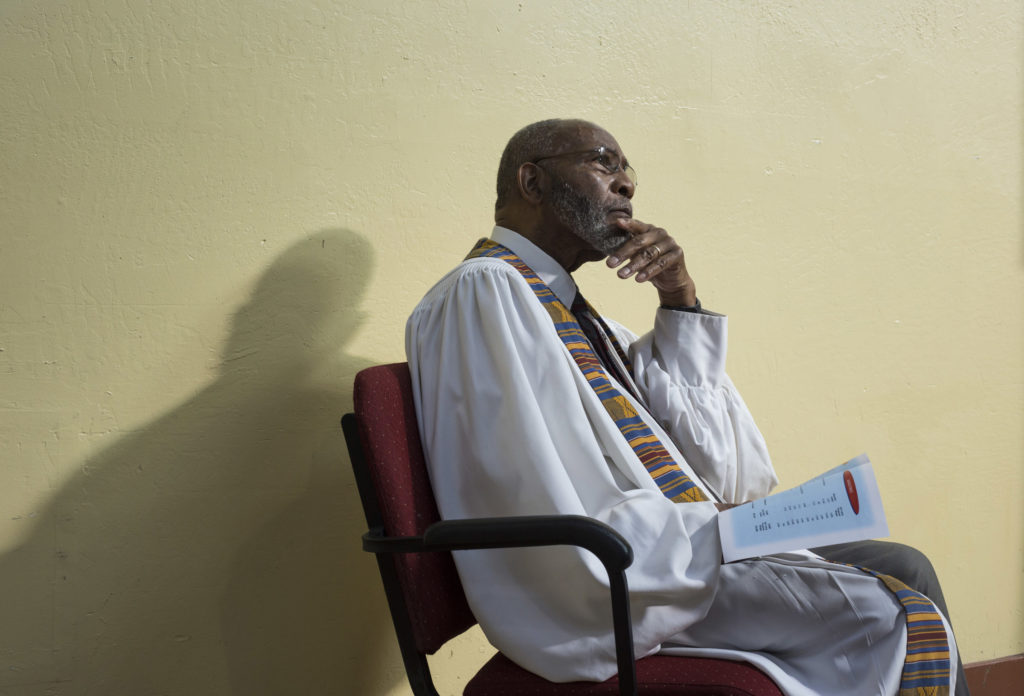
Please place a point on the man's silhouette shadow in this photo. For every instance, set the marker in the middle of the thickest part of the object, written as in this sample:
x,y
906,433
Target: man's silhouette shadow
x,y
215,550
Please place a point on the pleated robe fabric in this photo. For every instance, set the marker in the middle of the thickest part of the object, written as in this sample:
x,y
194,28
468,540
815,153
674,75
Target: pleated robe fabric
x,y
511,427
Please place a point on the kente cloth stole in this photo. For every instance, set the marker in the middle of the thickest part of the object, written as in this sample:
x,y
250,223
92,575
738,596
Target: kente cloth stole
x,y
926,670
596,330
674,484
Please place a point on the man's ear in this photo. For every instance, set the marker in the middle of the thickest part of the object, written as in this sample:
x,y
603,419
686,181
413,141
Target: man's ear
x,y
532,182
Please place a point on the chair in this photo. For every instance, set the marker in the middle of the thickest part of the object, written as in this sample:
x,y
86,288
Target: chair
x,y
426,600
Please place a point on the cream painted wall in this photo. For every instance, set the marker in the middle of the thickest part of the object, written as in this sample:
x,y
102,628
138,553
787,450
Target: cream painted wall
x,y
213,214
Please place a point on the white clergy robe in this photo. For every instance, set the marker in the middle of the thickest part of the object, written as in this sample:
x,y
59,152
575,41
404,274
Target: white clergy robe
x,y
511,427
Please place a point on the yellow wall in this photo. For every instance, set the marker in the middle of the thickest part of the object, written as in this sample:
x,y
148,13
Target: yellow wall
x,y
213,213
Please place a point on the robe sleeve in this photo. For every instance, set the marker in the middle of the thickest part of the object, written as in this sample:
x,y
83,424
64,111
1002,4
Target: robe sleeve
x,y
507,431
679,368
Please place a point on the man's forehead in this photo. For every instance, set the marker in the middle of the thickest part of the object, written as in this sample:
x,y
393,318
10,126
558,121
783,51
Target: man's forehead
x,y
582,135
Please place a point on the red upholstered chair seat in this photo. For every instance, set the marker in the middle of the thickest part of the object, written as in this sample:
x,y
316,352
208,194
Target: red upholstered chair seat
x,y
658,675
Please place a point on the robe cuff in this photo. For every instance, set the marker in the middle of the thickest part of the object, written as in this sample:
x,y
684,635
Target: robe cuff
x,y
695,343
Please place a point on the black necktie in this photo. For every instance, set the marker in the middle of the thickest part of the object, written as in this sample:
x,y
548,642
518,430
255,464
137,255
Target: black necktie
x,y
592,329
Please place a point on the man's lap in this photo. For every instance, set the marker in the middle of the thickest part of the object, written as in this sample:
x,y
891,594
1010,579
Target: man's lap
x,y
905,563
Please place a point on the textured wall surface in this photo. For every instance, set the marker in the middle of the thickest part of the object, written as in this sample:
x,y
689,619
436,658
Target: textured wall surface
x,y
213,214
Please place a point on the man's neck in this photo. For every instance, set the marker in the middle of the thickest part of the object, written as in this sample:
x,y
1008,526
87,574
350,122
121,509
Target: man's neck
x,y
563,246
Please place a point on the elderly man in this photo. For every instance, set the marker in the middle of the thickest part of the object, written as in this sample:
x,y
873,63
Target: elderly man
x,y
531,403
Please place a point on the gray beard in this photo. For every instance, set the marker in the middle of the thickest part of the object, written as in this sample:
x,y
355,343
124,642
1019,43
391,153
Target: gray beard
x,y
586,219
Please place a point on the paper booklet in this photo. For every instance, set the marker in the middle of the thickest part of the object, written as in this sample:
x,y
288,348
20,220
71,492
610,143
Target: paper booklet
x,y
841,505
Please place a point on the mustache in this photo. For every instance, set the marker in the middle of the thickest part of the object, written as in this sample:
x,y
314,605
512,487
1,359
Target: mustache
x,y
625,207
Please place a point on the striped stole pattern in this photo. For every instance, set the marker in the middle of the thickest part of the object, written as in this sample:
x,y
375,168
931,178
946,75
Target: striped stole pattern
x,y
926,670
595,329
674,484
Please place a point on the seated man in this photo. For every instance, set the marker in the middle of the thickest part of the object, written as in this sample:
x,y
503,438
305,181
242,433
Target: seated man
x,y
530,403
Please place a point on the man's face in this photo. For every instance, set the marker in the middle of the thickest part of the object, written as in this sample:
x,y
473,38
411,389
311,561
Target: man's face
x,y
588,218
585,198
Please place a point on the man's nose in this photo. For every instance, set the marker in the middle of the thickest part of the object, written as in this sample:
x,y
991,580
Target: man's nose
x,y
623,185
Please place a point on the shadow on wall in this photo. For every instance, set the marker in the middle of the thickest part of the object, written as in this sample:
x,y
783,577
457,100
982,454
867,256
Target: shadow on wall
x,y
215,550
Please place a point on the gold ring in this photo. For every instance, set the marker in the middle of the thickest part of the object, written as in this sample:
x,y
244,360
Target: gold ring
x,y
657,251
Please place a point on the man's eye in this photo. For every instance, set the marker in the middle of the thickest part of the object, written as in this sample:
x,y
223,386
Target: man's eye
x,y
607,161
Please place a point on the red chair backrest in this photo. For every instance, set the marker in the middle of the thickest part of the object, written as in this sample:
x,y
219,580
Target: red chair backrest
x,y
394,456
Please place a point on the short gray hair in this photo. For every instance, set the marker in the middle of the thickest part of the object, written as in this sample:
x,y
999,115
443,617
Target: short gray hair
x,y
529,143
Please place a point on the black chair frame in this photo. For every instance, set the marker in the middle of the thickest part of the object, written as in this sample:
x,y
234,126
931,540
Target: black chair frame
x,y
609,546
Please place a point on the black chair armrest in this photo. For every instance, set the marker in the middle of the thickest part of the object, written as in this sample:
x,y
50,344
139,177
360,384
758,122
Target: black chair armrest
x,y
538,530
603,541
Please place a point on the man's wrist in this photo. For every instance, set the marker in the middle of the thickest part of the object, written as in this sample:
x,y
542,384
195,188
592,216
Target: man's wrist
x,y
695,307
684,295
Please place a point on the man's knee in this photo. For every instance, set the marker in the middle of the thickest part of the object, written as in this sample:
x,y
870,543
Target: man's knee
x,y
911,566
905,563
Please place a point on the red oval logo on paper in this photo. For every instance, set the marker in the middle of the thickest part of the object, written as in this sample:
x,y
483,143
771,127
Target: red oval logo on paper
x,y
851,491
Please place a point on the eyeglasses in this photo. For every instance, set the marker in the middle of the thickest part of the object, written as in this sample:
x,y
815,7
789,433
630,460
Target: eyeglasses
x,y
609,160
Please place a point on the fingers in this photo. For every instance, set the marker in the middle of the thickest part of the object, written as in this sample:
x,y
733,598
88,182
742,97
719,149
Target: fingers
x,y
652,263
650,251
